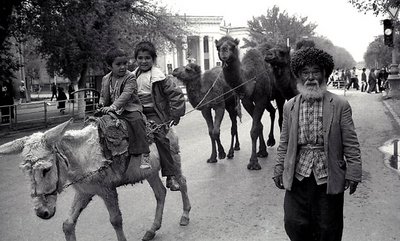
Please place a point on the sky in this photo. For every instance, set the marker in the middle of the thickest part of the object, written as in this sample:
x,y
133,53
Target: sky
x,y
337,20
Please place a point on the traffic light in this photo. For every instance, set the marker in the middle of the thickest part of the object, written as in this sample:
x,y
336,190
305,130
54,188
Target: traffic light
x,y
388,32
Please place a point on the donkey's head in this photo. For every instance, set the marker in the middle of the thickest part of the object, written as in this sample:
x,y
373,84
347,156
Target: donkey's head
x,y
42,165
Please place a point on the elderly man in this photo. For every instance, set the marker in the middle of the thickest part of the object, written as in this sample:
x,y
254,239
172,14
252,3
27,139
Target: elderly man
x,y
319,153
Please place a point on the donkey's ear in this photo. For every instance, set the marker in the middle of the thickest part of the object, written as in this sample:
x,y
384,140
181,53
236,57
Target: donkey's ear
x,y
54,134
216,43
13,147
236,41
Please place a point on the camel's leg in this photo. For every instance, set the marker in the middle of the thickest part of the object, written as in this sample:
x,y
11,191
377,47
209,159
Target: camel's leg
x,y
280,101
234,133
206,112
250,108
270,108
110,198
81,200
256,129
160,192
262,149
219,115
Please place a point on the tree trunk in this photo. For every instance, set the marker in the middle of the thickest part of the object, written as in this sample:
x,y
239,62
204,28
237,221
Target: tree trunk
x,y
81,95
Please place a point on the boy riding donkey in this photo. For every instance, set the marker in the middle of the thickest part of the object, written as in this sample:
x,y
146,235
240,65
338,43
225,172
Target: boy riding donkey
x,y
119,95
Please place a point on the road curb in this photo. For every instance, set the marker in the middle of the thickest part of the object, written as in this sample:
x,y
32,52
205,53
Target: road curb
x,y
395,116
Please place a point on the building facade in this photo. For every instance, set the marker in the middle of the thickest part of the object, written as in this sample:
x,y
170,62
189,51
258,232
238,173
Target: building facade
x,y
199,47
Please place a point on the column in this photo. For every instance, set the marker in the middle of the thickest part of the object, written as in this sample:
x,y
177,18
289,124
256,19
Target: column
x,y
184,61
201,53
211,51
174,58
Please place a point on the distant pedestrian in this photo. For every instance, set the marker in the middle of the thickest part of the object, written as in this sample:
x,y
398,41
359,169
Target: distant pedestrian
x,y
61,99
353,79
372,81
6,100
22,92
381,78
53,91
70,90
363,80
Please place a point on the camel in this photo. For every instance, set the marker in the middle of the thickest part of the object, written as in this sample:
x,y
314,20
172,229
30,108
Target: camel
x,y
285,82
253,81
210,92
57,158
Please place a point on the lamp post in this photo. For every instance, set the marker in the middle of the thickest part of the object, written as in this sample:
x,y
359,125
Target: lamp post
x,y
394,78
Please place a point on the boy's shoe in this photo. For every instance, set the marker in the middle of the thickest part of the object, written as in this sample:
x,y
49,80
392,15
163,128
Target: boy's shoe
x,y
145,162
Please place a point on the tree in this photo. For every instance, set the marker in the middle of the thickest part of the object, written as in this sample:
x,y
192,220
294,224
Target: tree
x,y
377,7
73,36
341,57
8,63
378,54
276,27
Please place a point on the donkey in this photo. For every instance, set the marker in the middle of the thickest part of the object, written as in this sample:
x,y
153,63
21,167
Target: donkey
x,y
58,158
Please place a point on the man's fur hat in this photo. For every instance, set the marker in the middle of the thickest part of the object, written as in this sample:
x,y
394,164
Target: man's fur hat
x,y
310,56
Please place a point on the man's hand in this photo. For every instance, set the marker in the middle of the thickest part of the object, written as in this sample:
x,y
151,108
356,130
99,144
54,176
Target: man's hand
x,y
352,185
278,182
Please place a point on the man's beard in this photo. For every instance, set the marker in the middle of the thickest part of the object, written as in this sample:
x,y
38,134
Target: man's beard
x,y
311,92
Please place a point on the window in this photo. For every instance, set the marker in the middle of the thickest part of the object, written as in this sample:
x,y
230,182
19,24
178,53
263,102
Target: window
x,y
205,43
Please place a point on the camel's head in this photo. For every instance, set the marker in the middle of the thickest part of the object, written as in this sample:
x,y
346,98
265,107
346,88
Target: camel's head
x,y
276,56
41,166
187,73
227,48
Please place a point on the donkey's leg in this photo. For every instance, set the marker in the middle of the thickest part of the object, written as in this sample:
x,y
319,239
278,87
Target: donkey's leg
x,y
182,184
206,112
110,198
219,115
81,200
160,192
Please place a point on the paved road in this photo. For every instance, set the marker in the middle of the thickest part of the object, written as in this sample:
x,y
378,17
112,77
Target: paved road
x,y
228,201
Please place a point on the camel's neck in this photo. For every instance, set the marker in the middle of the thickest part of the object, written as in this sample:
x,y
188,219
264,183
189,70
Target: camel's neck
x,y
193,89
233,73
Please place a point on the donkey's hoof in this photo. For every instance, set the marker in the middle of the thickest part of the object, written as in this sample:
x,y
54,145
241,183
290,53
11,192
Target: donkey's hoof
x,y
212,160
221,155
230,154
254,166
237,148
184,221
149,235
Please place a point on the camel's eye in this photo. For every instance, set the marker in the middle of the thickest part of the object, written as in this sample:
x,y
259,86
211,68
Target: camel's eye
x,y
45,171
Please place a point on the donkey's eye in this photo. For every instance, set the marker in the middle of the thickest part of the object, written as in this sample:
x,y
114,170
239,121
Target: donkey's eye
x,y
45,171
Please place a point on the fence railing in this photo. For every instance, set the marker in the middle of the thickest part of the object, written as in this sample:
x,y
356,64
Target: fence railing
x,y
44,113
